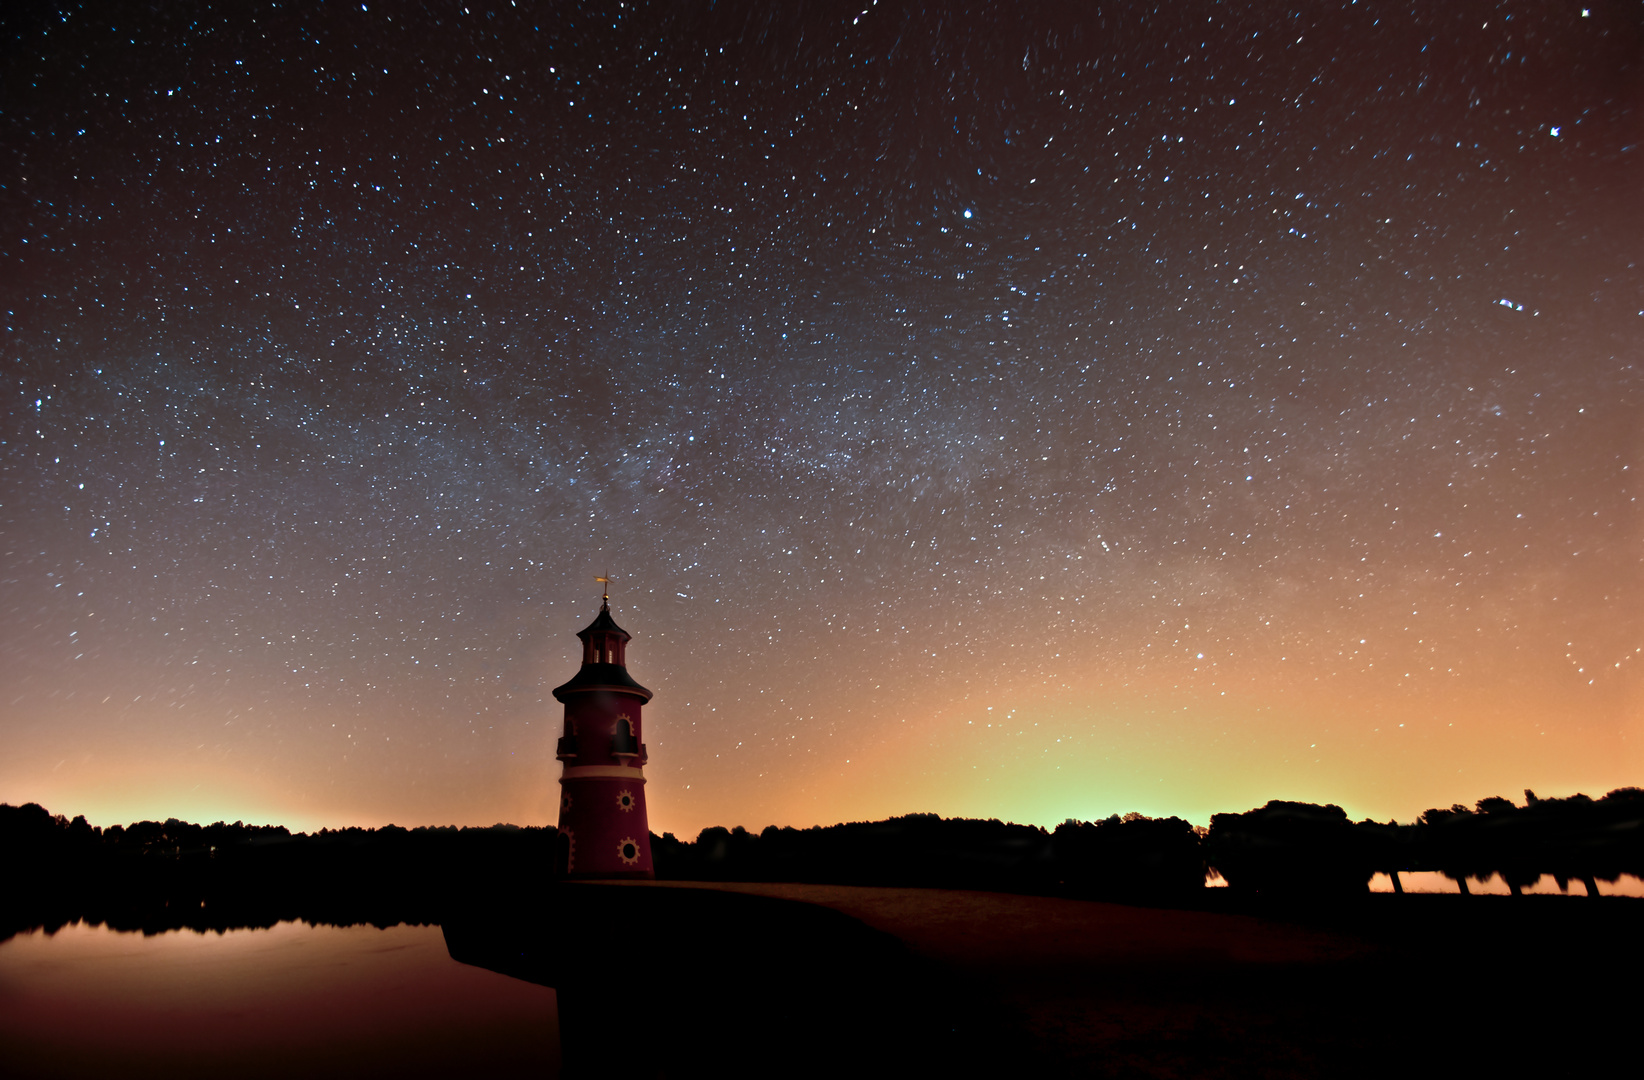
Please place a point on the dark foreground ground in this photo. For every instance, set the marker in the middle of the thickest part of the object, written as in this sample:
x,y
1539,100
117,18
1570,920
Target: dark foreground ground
x,y
771,979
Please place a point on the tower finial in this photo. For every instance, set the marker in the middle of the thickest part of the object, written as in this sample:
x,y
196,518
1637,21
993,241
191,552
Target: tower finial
x,y
605,600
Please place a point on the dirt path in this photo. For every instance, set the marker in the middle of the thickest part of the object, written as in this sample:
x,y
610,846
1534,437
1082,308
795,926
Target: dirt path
x,y
1108,990
1004,932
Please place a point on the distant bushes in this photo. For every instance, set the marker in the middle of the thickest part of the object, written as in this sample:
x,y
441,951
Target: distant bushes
x,y
156,876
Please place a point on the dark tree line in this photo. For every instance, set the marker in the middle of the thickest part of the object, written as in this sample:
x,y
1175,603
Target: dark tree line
x,y
919,849
1133,857
1300,849
156,876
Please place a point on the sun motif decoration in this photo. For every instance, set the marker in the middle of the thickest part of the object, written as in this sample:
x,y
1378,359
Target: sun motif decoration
x,y
625,800
628,850
570,849
564,802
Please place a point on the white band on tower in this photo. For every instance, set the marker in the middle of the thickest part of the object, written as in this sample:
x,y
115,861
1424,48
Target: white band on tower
x,y
597,772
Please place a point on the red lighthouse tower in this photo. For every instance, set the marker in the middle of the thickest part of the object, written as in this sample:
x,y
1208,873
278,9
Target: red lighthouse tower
x,y
602,790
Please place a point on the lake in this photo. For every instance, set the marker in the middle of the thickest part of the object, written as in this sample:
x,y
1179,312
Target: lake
x,y
676,981
294,999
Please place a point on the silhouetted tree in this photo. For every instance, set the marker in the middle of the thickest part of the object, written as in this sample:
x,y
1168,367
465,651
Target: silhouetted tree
x,y
1386,848
1290,849
1133,857
1443,844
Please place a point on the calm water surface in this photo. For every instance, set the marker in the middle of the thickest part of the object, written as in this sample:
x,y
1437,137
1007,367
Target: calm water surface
x,y
314,1001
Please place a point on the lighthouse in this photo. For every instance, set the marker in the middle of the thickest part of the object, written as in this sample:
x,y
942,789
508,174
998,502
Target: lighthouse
x,y
602,788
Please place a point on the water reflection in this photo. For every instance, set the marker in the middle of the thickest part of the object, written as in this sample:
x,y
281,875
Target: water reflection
x,y
294,999
1432,881
671,982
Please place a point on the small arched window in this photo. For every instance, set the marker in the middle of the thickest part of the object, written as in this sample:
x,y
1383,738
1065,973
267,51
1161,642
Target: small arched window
x,y
623,742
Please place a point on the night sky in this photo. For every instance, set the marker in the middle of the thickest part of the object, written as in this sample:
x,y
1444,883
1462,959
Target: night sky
x,y
1011,410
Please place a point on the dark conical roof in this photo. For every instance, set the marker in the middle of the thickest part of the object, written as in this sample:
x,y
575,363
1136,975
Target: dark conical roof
x,y
612,677
600,676
604,624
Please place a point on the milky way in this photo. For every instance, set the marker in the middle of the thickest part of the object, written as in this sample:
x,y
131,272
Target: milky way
x,y
1013,410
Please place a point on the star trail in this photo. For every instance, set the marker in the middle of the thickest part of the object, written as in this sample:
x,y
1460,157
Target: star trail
x,y
1020,411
